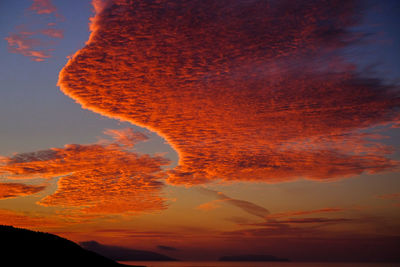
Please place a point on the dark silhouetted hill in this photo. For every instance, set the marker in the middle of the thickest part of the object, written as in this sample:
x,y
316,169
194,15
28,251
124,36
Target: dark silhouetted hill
x,y
251,258
124,254
21,247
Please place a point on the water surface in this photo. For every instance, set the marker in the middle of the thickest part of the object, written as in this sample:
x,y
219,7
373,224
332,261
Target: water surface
x,y
252,264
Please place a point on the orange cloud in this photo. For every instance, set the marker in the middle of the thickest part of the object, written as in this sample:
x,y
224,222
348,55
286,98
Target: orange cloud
x,y
304,212
127,137
316,220
55,33
208,206
270,220
43,7
282,224
95,178
30,43
390,196
22,43
304,227
20,219
44,221
244,205
11,190
243,90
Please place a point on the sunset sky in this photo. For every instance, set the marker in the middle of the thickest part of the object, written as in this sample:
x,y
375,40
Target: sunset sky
x,y
203,128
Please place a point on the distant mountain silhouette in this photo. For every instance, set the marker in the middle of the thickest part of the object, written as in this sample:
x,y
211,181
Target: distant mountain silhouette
x,y
251,258
21,247
124,254
168,248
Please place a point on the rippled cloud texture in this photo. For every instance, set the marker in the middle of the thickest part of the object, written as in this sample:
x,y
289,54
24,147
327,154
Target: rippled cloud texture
x,y
100,178
243,90
12,190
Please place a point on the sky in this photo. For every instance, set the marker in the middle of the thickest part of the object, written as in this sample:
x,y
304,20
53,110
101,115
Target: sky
x,y
199,129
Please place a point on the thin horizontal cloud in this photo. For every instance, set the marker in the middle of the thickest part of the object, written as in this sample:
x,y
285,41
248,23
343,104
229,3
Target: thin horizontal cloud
x,y
28,220
317,220
389,196
283,225
317,227
244,205
238,220
294,227
270,219
55,33
95,178
77,217
305,221
129,233
393,197
212,205
242,90
45,220
12,190
274,230
304,212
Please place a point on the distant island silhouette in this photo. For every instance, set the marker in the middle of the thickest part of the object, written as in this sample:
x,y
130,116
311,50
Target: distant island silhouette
x,y
124,254
251,257
22,247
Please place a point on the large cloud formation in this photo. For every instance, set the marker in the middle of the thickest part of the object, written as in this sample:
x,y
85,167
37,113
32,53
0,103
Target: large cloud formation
x,y
101,178
243,90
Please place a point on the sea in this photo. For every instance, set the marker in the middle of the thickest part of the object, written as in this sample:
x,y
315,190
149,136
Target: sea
x,y
252,264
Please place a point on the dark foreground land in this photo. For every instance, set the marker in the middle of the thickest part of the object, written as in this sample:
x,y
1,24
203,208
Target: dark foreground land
x,y
21,247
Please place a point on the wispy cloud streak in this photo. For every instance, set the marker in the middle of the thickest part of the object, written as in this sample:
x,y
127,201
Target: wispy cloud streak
x,y
244,205
24,44
43,7
389,196
31,43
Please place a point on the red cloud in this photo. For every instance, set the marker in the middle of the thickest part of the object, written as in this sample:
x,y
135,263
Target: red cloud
x,y
212,205
43,7
22,43
390,196
96,178
30,43
244,205
243,90
55,33
316,220
37,220
126,137
19,219
11,190
270,220
304,212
